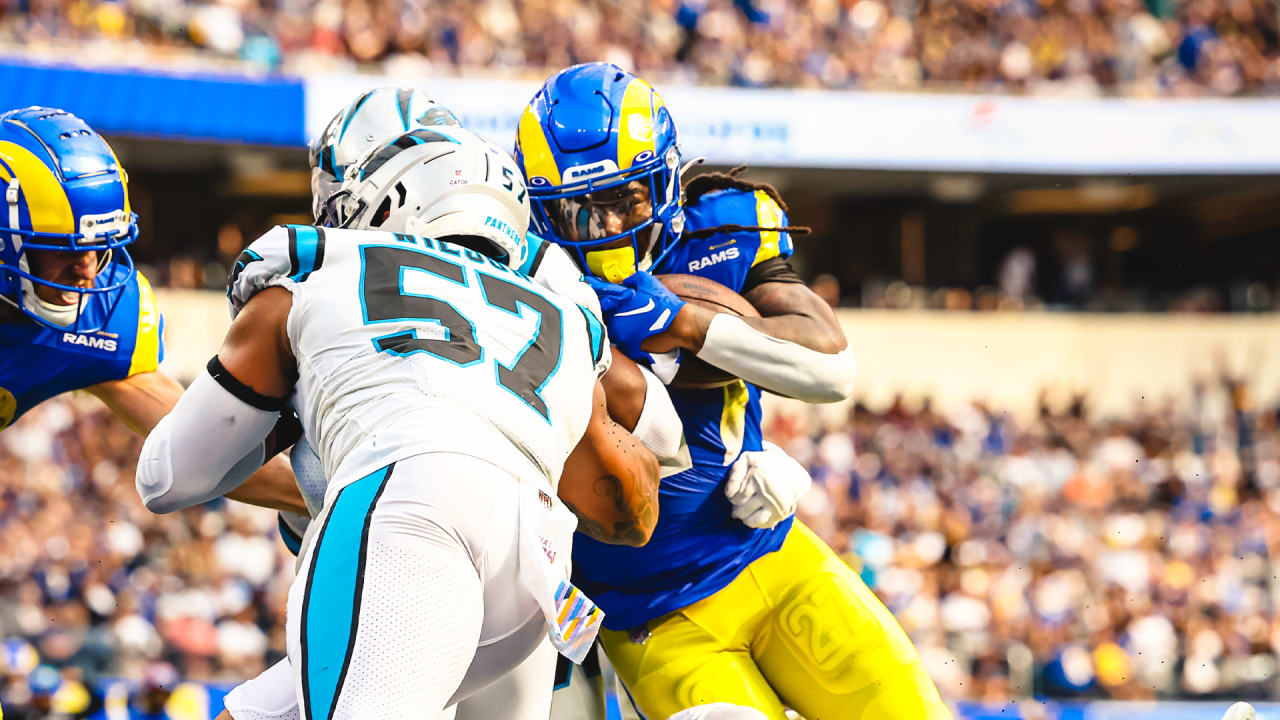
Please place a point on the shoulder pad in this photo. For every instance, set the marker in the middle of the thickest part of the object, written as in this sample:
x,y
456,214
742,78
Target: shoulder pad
x,y
557,273
148,343
773,243
730,231
286,253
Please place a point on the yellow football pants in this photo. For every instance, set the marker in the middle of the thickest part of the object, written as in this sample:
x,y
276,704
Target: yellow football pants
x,y
797,628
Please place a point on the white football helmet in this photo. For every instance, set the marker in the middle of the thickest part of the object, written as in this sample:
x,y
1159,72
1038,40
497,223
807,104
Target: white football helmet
x,y
372,119
437,182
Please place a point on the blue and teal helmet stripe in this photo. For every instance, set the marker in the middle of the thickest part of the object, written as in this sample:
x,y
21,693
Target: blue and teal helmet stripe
x,y
594,127
64,191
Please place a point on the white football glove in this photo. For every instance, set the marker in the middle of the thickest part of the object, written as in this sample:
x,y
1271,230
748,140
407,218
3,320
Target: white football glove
x,y
764,486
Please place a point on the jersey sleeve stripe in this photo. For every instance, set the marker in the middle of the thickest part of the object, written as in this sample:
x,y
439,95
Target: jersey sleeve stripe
x,y
293,249
292,540
596,332
535,261
306,251
148,348
246,394
773,243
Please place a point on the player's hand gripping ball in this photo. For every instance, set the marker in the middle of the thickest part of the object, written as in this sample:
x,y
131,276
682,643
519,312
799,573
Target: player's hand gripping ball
x,y
635,310
709,294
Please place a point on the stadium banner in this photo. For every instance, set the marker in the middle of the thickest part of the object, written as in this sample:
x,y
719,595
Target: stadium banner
x,y
897,131
129,101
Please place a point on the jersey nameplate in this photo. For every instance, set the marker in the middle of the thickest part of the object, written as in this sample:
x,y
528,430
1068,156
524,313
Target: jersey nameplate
x,y
95,342
717,257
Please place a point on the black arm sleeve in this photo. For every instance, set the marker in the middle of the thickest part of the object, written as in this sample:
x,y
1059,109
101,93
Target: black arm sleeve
x,y
286,432
772,270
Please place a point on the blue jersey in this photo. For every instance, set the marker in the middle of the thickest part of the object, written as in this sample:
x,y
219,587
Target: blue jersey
x,y
698,547
39,362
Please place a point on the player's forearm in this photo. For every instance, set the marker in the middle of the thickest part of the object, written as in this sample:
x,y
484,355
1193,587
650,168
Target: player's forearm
x,y
272,486
140,400
631,508
624,509
177,469
689,331
781,366
610,481
767,352
639,402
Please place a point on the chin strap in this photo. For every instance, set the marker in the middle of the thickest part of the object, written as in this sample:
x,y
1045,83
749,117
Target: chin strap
x,y
11,199
62,315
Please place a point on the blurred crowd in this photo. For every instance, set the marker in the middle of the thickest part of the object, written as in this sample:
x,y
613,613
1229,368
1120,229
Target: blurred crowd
x,y
1065,555
93,586
1141,47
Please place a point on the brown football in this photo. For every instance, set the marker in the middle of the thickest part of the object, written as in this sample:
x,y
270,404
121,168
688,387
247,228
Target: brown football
x,y
695,373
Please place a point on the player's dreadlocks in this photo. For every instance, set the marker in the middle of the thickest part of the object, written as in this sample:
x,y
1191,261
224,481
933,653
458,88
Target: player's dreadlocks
x,y
712,181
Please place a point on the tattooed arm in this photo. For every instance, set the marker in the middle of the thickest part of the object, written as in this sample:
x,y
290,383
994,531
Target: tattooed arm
x,y
610,482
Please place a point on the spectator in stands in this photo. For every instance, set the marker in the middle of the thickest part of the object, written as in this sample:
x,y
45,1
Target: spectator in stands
x,y
1080,47
1061,554
1122,560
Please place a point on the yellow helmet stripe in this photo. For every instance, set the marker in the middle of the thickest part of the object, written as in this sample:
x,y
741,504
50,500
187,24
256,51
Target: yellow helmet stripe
x,y
635,128
47,202
538,160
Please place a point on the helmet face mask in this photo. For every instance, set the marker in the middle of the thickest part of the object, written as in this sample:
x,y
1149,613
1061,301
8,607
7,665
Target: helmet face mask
x,y
65,194
586,122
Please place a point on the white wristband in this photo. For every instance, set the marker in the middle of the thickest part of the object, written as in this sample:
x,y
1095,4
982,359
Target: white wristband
x,y
778,365
659,427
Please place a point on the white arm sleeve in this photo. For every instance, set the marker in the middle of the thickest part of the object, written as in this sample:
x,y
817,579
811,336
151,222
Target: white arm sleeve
x,y
778,365
659,428
204,448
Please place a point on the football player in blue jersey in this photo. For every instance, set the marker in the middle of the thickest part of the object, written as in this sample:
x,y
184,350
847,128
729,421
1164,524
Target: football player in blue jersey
x,y
74,313
732,601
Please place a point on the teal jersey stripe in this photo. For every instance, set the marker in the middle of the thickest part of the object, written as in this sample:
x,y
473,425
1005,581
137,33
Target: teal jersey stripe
x,y
533,256
308,250
331,605
596,331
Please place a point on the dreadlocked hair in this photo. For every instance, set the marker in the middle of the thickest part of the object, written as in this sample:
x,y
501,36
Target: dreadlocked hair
x,y
713,181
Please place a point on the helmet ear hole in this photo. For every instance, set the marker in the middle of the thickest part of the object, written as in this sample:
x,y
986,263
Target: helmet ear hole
x,y
382,213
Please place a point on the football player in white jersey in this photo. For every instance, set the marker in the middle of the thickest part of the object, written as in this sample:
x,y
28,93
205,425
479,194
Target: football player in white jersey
x,y
371,123
451,400
372,120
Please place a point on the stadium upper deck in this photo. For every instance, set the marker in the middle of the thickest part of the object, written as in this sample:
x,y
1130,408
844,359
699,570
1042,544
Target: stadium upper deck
x,y
1077,47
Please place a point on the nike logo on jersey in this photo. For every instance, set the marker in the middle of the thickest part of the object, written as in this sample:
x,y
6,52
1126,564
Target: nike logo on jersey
x,y
90,341
638,311
731,254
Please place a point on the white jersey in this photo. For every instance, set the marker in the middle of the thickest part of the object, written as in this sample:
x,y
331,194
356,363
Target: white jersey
x,y
406,345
